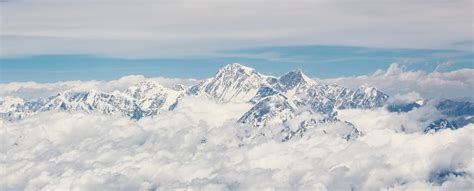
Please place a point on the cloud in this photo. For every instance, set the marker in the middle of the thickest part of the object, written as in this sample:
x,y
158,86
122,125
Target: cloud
x,y
162,28
397,80
466,43
441,66
409,97
412,121
201,147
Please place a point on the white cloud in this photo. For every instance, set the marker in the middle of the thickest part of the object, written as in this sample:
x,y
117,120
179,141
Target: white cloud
x,y
202,150
396,80
405,98
162,28
413,121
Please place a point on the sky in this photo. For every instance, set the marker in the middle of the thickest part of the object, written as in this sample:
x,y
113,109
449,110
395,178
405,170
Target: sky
x,y
51,40
316,61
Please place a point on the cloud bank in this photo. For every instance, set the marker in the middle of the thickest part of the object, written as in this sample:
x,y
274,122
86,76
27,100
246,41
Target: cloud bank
x,y
202,148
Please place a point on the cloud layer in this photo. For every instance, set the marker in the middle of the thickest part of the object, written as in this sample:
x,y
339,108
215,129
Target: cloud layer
x,y
164,28
197,147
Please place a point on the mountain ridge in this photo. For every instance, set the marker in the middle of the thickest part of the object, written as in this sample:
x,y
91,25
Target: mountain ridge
x,y
231,83
274,100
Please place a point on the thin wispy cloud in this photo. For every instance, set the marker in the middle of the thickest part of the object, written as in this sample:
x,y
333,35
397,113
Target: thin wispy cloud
x,y
157,28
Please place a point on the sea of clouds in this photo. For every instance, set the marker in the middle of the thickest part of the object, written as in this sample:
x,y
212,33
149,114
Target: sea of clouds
x,y
199,146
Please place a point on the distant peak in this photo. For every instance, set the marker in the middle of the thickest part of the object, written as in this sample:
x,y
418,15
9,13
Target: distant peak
x,y
420,102
236,67
366,87
295,77
146,84
298,73
370,90
179,87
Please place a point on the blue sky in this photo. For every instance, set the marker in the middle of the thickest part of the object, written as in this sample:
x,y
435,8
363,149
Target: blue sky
x,y
50,40
315,61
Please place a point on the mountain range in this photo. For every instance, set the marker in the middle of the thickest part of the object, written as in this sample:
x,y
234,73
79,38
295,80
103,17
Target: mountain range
x,y
275,101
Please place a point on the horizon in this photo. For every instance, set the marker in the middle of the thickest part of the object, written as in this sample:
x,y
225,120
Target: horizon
x,y
317,61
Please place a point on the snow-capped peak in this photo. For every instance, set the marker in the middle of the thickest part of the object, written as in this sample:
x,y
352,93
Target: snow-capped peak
x,y
420,102
143,99
295,76
236,68
363,97
294,81
179,87
143,87
273,98
234,82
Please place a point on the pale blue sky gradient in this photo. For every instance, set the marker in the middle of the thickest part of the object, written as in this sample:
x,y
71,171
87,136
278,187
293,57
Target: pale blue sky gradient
x,y
315,61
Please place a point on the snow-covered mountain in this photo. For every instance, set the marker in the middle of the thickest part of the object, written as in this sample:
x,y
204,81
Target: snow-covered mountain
x,y
405,107
270,110
288,97
274,99
290,102
456,115
438,125
294,82
144,99
233,82
13,108
152,97
363,97
277,99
